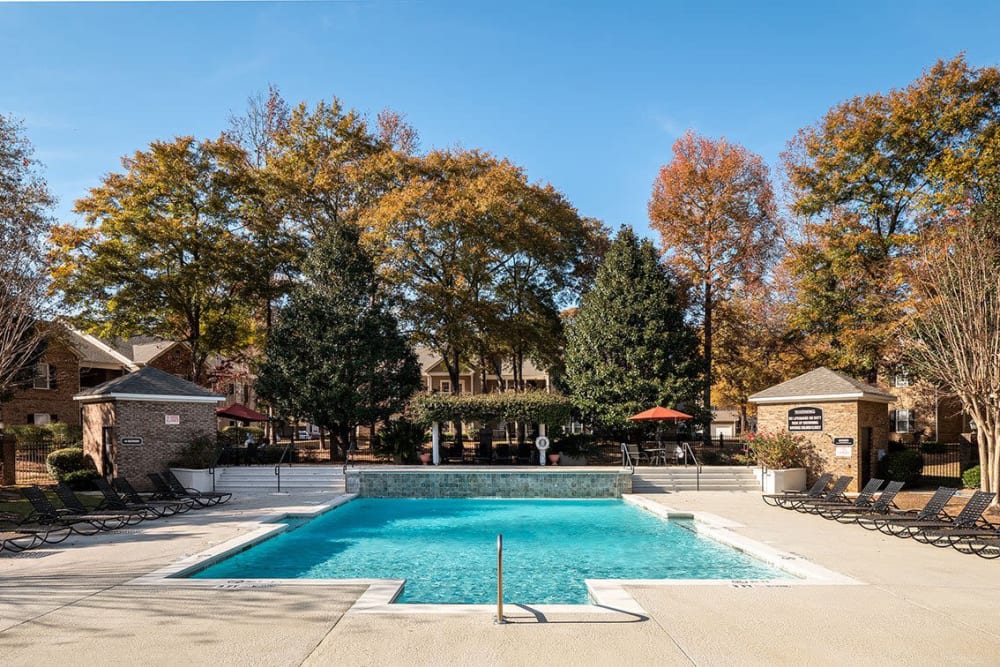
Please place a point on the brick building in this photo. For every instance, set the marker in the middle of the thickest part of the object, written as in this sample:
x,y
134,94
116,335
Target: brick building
x,y
140,422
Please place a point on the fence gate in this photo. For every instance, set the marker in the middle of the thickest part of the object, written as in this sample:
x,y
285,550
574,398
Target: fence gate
x,y
944,463
28,460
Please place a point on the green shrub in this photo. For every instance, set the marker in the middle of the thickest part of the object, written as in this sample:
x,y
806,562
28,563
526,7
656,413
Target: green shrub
x,y
58,433
779,450
202,452
27,434
710,458
63,462
973,477
401,439
575,445
81,480
903,466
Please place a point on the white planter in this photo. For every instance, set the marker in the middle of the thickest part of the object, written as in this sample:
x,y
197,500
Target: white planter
x,y
194,478
781,480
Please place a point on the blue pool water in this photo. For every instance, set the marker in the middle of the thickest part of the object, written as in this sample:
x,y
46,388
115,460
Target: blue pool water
x,y
446,549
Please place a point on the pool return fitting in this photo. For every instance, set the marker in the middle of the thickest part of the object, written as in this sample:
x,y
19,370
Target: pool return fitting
x,y
500,620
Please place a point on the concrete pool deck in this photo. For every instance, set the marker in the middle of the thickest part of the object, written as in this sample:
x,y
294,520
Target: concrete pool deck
x,y
74,603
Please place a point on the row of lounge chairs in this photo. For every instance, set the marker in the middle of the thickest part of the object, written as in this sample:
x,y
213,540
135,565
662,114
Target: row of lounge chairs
x,y
967,531
121,506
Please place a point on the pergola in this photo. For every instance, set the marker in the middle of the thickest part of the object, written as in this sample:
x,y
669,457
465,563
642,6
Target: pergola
x,y
541,407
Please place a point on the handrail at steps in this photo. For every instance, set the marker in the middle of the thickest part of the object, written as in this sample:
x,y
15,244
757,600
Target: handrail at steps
x,y
627,461
697,464
214,464
281,459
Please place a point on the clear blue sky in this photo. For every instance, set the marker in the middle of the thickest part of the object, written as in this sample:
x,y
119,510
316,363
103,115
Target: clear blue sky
x,y
588,96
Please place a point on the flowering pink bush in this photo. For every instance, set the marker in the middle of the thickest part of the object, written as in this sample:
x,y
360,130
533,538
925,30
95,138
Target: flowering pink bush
x,y
779,450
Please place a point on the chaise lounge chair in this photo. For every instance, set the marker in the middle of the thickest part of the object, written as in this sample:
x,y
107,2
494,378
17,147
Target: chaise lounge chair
x,y
15,535
47,514
169,487
131,496
933,510
970,517
115,502
884,505
835,495
73,503
863,501
818,490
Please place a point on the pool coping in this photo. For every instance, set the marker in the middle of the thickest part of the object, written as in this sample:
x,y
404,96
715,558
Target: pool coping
x,y
606,595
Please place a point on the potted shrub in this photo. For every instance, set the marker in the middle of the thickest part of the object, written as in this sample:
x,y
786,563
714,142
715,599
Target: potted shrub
x,y
781,460
193,462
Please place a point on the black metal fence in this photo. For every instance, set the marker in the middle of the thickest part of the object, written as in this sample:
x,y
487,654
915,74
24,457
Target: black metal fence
x,y
29,461
944,463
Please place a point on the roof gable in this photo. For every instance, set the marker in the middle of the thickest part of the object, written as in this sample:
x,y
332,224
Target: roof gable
x,y
822,384
149,384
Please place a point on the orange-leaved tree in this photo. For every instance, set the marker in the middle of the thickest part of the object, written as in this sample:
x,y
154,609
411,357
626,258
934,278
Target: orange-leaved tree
x,y
714,208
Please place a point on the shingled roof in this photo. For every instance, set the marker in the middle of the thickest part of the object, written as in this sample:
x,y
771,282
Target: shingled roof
x,y
149,384
822,384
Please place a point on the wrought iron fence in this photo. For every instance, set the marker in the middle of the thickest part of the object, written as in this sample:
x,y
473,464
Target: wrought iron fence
x,y
29,461
944,463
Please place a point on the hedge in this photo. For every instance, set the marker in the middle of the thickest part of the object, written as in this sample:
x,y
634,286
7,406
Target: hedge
x,y
532,406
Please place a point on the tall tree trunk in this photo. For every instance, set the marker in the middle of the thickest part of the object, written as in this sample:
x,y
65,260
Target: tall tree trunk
x,y
456,387
707,389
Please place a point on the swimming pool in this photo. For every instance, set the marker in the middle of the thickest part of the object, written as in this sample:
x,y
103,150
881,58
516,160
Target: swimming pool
x,y
446,549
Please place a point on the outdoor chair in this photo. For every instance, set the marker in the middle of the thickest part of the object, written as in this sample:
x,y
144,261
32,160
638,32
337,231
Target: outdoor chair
x,y
16,535
73,503
455,453
47,514
971,516
883,505
818,490
864,499
209,497
114,501
932,510
833,495
130,495
634,454
983,540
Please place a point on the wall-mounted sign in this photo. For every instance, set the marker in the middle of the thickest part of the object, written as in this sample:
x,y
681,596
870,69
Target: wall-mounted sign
x,y
805,419
172,420
846,442
131,441
843,451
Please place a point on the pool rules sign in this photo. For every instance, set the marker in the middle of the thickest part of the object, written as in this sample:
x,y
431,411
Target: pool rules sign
x,y
805,419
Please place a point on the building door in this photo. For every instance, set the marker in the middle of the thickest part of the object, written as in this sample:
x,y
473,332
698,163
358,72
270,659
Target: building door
x,y
107,455
866,455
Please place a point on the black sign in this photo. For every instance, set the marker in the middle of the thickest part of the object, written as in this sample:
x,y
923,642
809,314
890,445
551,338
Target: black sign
x,y
131,441
843,442
805,419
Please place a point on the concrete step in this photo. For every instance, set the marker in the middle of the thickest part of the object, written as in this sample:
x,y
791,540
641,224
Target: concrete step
x,y
679,478
244,478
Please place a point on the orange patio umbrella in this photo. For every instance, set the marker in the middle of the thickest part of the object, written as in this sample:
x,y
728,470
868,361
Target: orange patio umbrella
x,y
659,414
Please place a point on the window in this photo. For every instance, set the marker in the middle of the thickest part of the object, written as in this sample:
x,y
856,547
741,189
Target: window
x,y
40,419
42,376
901,379
446,386
902,421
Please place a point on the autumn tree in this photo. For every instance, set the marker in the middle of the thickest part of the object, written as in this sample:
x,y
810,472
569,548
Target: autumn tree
x,y
714,208
868,178
163,251
336,355
24,220
463,233
956,336
628,346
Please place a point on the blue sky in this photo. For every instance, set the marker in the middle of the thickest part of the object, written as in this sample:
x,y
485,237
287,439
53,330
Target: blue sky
x,y
586,95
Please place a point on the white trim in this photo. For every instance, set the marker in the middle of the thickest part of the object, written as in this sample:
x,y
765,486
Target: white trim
x,y
125,361
159,398
878,398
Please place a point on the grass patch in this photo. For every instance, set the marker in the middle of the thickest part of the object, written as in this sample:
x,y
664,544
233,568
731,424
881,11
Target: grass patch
x,y
11,500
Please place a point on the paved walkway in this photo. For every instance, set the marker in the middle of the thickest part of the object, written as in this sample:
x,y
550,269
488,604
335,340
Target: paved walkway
x,y
919,605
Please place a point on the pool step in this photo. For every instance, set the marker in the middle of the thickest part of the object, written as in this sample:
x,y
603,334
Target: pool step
x,y
652,479
262,478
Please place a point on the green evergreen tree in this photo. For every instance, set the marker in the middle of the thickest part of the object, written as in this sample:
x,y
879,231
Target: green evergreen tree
x,y
628,347
335,355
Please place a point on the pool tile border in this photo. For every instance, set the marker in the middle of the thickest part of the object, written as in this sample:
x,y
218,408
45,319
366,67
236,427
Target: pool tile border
x,y
607,595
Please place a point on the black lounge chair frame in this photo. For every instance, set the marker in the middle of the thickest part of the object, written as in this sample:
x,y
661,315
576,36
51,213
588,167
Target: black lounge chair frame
x,y
817,490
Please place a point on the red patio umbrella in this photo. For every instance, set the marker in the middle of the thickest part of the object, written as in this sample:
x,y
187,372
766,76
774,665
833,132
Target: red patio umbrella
x,y
240,412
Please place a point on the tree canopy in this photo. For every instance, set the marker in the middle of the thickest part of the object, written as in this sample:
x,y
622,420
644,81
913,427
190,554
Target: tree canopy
x,y
335,355
628,346
163,252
